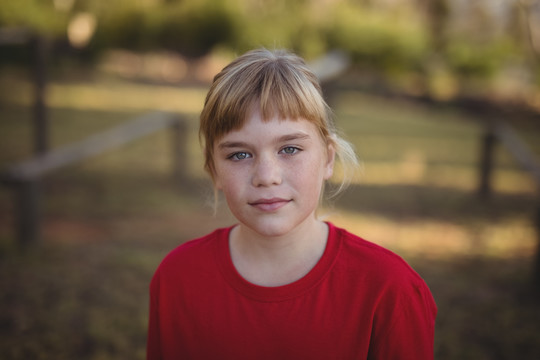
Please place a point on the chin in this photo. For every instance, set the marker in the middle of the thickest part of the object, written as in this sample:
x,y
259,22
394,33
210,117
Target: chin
x,y
271,231
270,228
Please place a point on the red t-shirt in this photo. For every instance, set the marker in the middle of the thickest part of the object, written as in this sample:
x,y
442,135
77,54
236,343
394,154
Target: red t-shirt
x,y
360,301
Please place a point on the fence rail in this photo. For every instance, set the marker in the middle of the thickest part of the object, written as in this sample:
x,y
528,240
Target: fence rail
x,y
93,145
25,177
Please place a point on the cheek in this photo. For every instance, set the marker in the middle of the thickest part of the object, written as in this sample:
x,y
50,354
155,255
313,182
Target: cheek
x,y
323,167
227,182
222,175
220,178
308,174
218,182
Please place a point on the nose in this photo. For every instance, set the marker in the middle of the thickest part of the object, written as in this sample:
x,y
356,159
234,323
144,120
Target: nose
x,y
267,171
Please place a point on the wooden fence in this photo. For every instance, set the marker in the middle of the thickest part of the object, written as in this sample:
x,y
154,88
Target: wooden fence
x,y
497,131
25,177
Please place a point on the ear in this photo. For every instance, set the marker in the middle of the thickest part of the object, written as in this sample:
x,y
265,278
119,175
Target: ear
x,y
330,159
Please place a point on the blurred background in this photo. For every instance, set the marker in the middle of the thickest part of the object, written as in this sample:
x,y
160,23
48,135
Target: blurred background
x,y
102,169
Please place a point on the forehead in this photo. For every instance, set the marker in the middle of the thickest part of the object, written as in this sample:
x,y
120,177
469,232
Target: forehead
x,y
256,129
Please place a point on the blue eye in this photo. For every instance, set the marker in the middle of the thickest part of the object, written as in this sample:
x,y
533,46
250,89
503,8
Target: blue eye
x,y
239,156
290,150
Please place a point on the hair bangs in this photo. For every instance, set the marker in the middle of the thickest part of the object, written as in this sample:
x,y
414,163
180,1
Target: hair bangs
x,y
284,95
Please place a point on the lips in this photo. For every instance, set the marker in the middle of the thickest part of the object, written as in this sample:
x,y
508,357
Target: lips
x,y
272,204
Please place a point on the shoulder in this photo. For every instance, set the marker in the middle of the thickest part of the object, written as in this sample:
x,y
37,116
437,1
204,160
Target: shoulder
x,y
384,274
401,304
375,262
193,253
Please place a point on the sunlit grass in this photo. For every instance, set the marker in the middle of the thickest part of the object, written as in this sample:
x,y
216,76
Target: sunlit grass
x,y
440,239
455,176
106,95
404,143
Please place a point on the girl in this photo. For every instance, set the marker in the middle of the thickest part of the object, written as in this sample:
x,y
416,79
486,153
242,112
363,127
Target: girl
x,y
281,284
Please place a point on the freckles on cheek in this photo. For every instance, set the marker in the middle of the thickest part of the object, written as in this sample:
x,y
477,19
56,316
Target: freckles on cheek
x,y
218,179
226,181
313,169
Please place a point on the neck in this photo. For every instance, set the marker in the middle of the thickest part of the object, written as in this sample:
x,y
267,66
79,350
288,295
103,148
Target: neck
x,y
279,260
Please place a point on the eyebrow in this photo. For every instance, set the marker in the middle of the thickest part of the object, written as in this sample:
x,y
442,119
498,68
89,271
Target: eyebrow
x,y
281,139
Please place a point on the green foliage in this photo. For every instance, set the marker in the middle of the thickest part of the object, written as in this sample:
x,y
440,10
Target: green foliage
x,y
399,39
295,25
375,39
194,28
191,28
37,15
126,28
468,58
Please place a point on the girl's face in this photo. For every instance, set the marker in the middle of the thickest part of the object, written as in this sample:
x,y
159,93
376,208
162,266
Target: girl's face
x,y
272,173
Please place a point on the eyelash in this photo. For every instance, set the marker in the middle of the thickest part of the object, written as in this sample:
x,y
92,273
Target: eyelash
x,y
236,156
294,148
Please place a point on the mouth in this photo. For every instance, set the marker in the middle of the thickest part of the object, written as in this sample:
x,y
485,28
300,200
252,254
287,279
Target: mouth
x,y
272,204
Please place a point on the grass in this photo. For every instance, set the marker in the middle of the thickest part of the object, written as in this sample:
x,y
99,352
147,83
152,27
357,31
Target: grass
x,y
81,293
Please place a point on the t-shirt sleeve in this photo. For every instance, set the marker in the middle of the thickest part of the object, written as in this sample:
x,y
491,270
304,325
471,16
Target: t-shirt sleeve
x,y
404,324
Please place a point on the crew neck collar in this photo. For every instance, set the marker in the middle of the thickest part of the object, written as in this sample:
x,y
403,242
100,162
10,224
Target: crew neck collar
x,y
275,293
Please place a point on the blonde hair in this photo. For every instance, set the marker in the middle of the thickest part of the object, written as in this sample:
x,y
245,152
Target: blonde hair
x,y
280,84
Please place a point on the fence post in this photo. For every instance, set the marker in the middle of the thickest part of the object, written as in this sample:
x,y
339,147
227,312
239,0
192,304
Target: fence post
x,y
27,203
179,144
486,161
41,129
